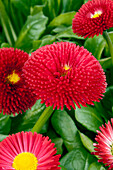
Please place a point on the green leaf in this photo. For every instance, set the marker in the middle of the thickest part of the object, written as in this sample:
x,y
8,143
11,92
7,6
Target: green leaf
x,y
71,5
89,118
7,25
5,45
18,20
100,109
106,62
23,5
37,2
49,39
85,1
5,124
2,37
77,159
2,137
52,8
68,33
32,30
59,29
51,133
62,167
36,9
107,102
88,143
58,144
36,44
26,121
65,127
95,45
96,166
62,19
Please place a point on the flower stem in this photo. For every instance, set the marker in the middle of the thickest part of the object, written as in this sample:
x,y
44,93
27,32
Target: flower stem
x,y
109,42
42,119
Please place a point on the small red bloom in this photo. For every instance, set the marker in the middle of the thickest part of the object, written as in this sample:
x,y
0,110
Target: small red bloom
x,y
28,151
63,73
104,148
93,18
15,94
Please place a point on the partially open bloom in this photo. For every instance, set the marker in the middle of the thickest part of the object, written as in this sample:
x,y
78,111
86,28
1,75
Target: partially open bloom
x,y
104,147
15,94
93,18
28,151
65,74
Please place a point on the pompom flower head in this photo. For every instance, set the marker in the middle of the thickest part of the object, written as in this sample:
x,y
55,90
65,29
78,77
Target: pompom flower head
x,y
63,74
93,18
15,95
104,147
28,151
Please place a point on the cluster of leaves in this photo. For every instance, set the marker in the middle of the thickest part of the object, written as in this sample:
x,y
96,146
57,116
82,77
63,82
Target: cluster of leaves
x,y
29,25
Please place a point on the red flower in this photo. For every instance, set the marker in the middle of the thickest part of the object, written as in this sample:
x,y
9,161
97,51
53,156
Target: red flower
x,y
63,73
104,148
15,95
93,18
26,151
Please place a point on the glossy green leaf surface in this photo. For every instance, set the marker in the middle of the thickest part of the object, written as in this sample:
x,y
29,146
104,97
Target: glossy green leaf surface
x,y
78,158
95,45
65,127
96,166
62,19
89,118
32,30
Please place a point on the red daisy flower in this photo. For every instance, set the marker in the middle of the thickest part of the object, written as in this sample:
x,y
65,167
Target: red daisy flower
x,y
93,18
63,73
14,92
104,148
28,151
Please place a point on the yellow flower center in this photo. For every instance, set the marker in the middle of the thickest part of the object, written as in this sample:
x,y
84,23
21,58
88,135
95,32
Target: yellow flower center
x,y
66,67
25,161
13,78
96,14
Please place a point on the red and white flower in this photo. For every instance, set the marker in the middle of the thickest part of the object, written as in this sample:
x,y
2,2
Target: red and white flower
x,y
93,18
28,151
104,147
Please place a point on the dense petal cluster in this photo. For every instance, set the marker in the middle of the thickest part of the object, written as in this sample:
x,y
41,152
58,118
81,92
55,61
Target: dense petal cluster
x,y
15,94
65,74
93,18
104,147
28,151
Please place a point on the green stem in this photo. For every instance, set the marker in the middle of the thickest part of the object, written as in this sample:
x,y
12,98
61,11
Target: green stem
x,y
7,25
109,42
42,119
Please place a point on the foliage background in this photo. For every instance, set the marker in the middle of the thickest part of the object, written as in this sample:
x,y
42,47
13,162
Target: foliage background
x,y
31,24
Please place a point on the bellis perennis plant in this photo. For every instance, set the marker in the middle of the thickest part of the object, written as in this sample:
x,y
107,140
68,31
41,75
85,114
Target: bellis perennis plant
x,y
65,74
93,18
27,151
65,78
15,94
104,145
